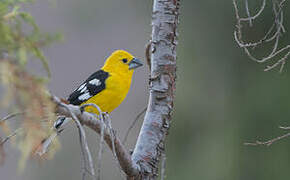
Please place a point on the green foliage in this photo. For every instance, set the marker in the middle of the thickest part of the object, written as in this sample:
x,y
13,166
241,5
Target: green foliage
x,y
21,41
20,35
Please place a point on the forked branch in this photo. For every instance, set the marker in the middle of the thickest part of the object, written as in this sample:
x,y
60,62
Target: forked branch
x,y
273,35
90,120
271,141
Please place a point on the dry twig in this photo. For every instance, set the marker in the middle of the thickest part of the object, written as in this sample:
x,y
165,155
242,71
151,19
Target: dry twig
x,y
271,141
106,124
133,124
285,128
14,133
101,134
108,121
87,157
9,136
9,116
90,120
276,29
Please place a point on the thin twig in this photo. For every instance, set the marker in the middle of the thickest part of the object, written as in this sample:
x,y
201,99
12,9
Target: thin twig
x,y
84,146
90,120
82,107
279,29
256,15
112,133
106,120
3,141
45,144
285,128
12,115
113,137
248,13
280,61
100,148
133,124
57,129
9,136
269,142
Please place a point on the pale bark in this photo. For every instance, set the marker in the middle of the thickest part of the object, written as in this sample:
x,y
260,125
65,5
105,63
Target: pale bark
x,y
150,143
90,120
144,162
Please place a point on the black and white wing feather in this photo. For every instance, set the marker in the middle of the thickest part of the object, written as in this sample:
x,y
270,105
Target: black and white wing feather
x,y
92,86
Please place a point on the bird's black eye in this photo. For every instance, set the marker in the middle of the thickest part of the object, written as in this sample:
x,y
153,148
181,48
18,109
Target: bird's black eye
x,y
124,60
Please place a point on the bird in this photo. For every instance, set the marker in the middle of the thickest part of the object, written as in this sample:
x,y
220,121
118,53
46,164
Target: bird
x,y
107,88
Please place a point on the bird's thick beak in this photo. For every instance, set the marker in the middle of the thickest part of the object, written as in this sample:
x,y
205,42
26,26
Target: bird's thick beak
x,y
135,63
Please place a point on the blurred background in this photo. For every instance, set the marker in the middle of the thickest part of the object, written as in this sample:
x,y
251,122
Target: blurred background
x,y
223,99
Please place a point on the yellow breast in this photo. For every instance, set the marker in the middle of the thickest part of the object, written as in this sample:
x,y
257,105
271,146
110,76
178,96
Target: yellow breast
x,y
117,88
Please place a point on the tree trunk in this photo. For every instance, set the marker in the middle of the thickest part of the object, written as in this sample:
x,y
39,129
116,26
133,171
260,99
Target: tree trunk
x,y
144,162
150,143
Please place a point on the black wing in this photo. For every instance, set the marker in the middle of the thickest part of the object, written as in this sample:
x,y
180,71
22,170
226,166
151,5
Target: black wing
x,y
92,86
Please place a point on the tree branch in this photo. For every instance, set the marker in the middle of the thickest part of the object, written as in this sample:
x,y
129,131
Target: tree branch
x,y
276,29
133,124
90,120
14,133
271,141
84,147
150,143
9,116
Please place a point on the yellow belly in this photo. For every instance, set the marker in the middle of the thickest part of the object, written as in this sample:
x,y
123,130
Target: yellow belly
x,y
110,98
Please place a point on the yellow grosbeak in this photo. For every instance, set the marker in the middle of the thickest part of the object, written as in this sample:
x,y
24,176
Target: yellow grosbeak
x,y
107,87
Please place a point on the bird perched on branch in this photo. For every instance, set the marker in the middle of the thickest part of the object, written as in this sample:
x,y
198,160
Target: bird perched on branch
x,y
107,88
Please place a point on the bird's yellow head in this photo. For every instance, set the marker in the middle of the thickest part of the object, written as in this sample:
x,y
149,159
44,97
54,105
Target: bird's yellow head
x,y
121,61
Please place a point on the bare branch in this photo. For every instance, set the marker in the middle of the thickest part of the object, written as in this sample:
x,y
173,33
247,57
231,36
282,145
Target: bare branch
x,y
45,144
9,137
3,141
281,62
108,121
277,28
133,124
150,144
248,12
112,133
250,18
9,116
84,145
90,120
103,126
285,128
82,107
101,147
269,142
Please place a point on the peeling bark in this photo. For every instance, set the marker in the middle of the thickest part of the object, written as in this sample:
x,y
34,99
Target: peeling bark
x,y
150,143
143,163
